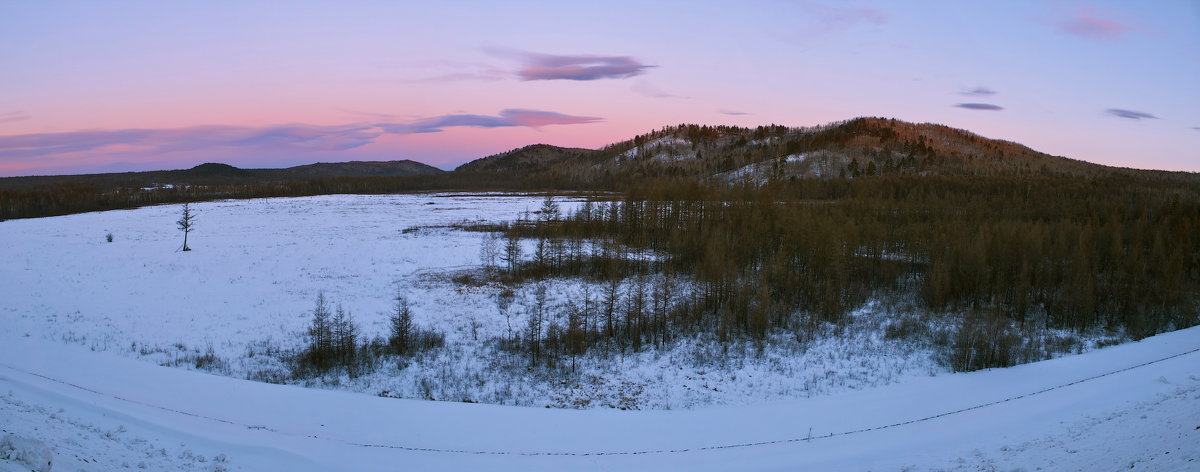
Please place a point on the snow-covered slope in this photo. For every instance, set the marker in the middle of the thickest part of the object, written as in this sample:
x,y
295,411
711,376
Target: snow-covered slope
x,y
1134,406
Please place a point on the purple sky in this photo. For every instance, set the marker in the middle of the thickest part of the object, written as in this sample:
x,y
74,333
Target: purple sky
x,y
139,85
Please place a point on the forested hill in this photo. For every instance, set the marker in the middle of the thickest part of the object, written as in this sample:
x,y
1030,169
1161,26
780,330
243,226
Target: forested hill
x,y
848,149
862,153
214,173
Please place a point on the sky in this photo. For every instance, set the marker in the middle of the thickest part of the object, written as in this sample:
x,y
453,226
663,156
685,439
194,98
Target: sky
x,y
144,85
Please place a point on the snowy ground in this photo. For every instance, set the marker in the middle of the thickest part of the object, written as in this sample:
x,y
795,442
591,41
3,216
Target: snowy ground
x,y
250,283
1130,407
87,325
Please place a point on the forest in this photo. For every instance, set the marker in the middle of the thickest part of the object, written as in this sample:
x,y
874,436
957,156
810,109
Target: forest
x,y
1004,258
35,201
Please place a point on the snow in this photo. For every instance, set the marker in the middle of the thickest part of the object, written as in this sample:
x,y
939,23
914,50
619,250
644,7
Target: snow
x,y
248,288
87,323
1135,404
667,147
30,453
796,158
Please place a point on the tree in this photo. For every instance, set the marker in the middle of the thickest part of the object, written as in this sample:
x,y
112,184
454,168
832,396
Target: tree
x,y
512,250
537,320
186,223
550,211
345,339
489,251
402,326
320,337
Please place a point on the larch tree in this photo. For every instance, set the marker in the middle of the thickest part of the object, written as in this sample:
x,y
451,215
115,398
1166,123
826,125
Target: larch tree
x,y
187,222
402,326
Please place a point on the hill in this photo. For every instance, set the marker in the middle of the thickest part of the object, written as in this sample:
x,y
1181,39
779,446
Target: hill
x,y
852,148
532,158
360,169
706,155
216,173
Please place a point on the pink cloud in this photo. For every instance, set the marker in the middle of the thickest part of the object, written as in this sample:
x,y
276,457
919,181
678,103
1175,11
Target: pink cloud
x,y
77,147
507,118
13,116
573,67
1089,24
828,19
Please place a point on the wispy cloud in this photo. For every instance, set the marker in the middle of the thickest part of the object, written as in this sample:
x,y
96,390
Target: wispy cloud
x,y
731,112
1089,23
827,19
979,92
536,66
453,71
1130,114
295,137
13,116
506,118
648,89
980,106
369,115
277,138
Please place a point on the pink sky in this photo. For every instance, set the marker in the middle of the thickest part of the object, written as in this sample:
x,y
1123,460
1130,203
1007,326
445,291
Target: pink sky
x,y
140,85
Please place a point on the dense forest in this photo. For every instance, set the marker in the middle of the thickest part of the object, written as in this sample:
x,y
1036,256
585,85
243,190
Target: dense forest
x,y
1005,257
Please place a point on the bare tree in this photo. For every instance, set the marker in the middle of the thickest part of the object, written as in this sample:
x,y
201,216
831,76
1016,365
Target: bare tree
x,y
345,340
186,223
504,302
512,251
537,321
489,251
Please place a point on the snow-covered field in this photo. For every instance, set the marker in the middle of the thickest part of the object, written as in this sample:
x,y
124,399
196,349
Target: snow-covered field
x,y
97,411
249,285
86,327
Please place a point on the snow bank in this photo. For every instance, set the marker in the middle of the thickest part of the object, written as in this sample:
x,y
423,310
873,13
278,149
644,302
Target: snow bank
x,y
30,453
1134,403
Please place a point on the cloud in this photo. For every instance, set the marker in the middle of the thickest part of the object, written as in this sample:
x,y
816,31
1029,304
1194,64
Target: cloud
x,y
506,118
297,138
979,92
646,88
827,19
454,71
1089,24
13,116
731,112
980,106
537,66
1130,114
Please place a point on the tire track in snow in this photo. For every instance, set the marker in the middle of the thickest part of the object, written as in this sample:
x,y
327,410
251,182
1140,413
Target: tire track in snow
x,y
612,453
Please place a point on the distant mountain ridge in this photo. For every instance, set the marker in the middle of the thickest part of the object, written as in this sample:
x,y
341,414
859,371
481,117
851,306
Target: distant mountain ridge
x,y
714,154
210,173
857,150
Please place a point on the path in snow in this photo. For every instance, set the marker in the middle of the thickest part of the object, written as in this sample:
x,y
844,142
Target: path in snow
x,y
1131,405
